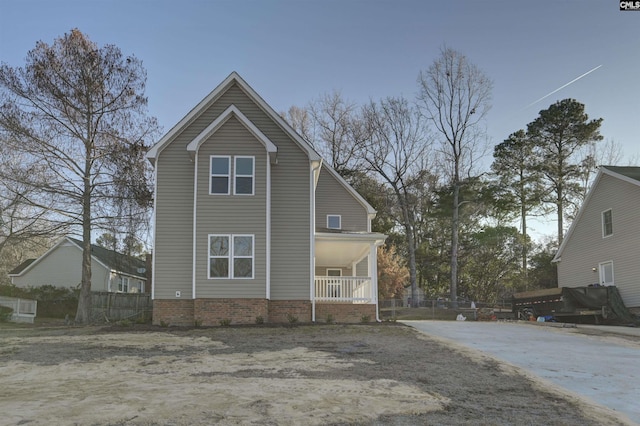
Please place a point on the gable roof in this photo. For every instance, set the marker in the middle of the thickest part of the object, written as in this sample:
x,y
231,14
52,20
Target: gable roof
x,y
233,78
110,259
627,174
371,212
232,111
21,267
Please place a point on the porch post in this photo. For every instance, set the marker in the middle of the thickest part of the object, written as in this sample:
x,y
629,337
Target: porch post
x,y
373,273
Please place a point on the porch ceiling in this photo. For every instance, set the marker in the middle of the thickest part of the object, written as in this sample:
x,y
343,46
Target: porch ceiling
x,y
343,249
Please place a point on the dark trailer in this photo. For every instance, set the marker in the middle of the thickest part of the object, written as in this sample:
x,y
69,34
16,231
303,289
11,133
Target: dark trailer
x,y
569,304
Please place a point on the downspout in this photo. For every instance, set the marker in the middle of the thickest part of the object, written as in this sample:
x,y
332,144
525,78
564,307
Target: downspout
x,y
312,263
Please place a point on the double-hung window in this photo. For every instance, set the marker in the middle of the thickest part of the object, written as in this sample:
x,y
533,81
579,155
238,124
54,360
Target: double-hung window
x,y
243,173
231,256
123,285
607,223
220,174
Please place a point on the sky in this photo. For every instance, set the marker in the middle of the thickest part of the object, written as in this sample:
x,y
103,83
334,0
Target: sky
x,y
293,51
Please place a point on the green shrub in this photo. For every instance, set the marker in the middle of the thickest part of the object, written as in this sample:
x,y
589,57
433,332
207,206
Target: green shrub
x,y
5,313
329,318
259,319
292,318
164,324
365,318
225,322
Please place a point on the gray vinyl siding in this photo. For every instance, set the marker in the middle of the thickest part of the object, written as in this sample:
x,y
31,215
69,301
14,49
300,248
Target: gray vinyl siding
x,y
290,206
334,199
62,267
290,224
362,268
231,214
173,246
586,248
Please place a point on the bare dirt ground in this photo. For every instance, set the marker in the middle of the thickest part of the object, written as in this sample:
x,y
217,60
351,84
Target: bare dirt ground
x,y
371,374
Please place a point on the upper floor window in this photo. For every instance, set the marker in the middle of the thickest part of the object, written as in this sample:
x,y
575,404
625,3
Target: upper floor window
x,y
607,223
244,172
334,221
220,173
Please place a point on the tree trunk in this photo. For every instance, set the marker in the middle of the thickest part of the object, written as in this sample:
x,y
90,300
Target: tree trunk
x,y
560,214
83,314
525,271
453,289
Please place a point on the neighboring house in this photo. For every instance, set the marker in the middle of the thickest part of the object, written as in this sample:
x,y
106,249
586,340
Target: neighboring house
x,y
602,245
61,266
250,225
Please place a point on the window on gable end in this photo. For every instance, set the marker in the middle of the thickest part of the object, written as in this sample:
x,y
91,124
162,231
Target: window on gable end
x,y
244,175
334,221
607,223
220,172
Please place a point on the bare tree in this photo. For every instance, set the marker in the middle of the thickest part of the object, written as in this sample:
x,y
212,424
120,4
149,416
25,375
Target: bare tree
x,y
79,110
454,95
397,152
340,133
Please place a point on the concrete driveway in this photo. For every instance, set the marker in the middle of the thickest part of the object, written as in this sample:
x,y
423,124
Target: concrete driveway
x,y
605,370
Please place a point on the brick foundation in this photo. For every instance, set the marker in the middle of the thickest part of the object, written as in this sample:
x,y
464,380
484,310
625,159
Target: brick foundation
x,y
213,312
345,312
208,312
173,312
281,311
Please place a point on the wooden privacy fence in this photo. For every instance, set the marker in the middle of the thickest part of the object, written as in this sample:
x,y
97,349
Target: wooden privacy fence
x,y
111,307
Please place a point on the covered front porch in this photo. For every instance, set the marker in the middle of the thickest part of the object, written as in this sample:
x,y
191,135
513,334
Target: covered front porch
x,y
346,268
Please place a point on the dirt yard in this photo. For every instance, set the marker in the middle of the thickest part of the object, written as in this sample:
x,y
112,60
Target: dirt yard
x,y
373,374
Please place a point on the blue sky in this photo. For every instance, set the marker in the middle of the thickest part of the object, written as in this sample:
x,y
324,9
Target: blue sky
x,y
292,51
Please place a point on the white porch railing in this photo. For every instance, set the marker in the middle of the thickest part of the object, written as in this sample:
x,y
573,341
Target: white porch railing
x,y
344,289
24,310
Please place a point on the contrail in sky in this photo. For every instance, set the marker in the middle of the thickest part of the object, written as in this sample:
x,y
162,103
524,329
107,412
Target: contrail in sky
x,y
562,87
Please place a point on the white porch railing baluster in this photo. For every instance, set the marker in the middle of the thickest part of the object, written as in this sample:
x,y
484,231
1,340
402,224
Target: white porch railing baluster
x,y
344,289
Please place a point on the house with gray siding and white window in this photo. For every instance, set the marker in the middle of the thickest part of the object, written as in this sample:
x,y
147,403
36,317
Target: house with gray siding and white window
x,y
602,245
61,266
250,223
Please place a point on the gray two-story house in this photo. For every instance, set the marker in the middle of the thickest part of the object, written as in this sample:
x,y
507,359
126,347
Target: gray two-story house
x,y
251,225
602,245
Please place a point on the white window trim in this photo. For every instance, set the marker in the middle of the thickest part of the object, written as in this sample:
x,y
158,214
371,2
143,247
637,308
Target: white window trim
x,y
231,256
212,175
252,176
604,235
339,220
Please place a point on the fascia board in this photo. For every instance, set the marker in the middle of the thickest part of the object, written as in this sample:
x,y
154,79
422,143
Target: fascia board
x,y
155,150
194,145
619,176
